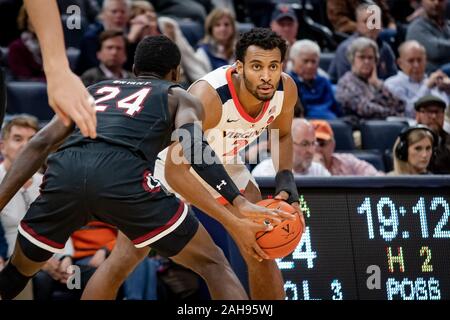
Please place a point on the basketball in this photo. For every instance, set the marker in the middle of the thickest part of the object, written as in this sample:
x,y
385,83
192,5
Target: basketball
x,y
284,237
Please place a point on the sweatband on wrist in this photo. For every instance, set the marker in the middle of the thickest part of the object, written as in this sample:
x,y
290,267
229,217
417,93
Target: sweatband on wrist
x,y
204,161
284,181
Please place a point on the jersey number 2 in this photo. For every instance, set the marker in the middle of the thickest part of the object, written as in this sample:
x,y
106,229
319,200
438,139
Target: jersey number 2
x,y
132,103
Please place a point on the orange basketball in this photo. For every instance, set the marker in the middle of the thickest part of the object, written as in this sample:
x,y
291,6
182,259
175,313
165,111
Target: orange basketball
x,y
284,237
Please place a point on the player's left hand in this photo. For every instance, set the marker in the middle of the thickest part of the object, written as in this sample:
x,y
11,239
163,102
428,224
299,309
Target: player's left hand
x,y
71,101
258,213
283,195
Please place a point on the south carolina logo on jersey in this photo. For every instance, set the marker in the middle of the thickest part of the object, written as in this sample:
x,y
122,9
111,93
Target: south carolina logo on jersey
x,y
149,183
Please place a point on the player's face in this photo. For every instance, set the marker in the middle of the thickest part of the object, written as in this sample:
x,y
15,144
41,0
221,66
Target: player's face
x,y
412,62
261,71
15,141
306,65
419,155
112,53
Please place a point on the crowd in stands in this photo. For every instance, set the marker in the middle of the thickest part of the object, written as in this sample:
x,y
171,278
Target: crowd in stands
x,y
395,76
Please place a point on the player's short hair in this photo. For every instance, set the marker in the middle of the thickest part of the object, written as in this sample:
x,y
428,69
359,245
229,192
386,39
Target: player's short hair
x,y
21,120
260,37
156,54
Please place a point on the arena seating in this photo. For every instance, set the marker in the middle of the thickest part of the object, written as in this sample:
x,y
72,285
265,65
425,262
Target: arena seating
x,y
28,97
343,135
380,134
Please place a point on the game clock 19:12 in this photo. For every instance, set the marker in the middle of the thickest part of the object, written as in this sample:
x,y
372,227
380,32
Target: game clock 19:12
x,y
407,235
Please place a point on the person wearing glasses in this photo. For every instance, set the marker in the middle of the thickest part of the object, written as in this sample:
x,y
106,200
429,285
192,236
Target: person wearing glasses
x,y
304,145
430,112
338,164
360,91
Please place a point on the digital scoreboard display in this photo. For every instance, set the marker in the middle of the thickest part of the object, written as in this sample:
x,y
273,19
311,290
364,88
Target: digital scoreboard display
x,y
365,241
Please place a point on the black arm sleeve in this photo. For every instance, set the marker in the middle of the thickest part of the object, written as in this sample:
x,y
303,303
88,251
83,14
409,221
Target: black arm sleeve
x,y
204,161
284,181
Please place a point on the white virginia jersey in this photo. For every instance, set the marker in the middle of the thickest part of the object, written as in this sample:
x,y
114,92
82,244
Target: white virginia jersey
x,y
236,129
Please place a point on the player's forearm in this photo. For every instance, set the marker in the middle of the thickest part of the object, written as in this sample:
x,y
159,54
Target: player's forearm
x,y
32,158
283,154
183,182
44,15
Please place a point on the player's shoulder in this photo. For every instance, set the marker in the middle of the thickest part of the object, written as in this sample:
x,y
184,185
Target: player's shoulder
x,y
288,83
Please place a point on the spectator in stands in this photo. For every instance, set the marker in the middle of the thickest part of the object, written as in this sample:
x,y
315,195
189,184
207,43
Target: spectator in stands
x,y
217,47
412,151
360,92
24,58
195,10
338,164
314,90
411,83
386,63
285,23
433,32
15,135
304,144
114,16
112,57
430,112
342,16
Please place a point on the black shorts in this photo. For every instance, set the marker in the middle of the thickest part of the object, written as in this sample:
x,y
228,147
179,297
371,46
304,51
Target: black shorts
x,y
100,181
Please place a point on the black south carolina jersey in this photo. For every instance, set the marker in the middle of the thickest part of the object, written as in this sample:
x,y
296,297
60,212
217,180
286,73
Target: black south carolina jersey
x,y
132,113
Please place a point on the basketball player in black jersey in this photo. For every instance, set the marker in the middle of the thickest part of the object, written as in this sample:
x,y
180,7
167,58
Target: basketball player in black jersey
x,y
110,179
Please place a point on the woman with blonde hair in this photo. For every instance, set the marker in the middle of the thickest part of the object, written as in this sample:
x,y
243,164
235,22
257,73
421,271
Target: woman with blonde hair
x,y
217,47
413,151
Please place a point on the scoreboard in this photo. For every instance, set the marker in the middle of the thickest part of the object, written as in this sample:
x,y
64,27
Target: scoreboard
x,y
368,238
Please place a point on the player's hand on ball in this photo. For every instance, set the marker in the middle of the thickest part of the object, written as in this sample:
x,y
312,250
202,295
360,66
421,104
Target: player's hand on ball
x,y
258,213
283,195
70,100
244,236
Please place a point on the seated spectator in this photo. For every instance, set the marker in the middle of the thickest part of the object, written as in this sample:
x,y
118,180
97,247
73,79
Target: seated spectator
x,y
285,23
304,143
112,57
217,47
114,16
360,92
342,16
433,31
15,135
194,10
412,83
24,58
430,112
412,151
314,90
386,66
338,164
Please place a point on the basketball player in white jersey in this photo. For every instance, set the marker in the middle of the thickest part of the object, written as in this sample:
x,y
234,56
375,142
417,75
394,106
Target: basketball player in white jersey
x,y
239,102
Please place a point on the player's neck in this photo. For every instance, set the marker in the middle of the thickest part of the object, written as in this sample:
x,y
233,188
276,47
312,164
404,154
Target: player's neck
x,y
249,102
149,75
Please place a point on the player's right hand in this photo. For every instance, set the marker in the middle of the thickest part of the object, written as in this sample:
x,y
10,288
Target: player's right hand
x,y
258,213
244,234
71,101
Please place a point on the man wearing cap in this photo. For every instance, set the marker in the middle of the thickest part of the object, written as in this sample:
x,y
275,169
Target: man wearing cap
x,y
304,143
284,22
430,112
338,164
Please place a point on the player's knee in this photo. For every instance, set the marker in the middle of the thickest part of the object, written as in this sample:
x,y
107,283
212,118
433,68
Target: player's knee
x,y
12,282
31,251
213,264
